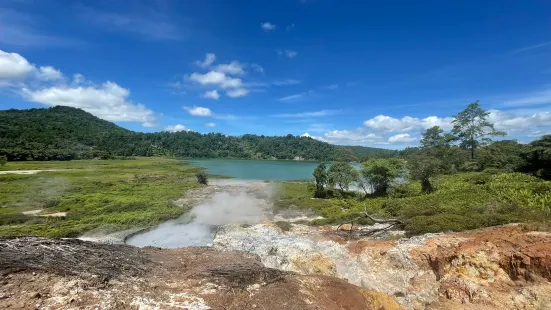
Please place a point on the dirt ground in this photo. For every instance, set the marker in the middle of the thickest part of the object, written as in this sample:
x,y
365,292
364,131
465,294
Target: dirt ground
x,y
39,273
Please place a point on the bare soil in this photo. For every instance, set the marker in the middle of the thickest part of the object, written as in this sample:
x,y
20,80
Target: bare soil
x,y
40,273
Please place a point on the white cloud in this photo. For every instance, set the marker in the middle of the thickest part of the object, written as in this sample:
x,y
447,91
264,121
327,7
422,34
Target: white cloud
x,y
306,135
239,92
149,124
296,97
333,86
108,101
309,114
508,121
216,78
198,111
407,123
210,125
207,62
213,94
257,68
176,128
14,66
233,67
286,82
351,137
402,138
266,26
49,73
290,53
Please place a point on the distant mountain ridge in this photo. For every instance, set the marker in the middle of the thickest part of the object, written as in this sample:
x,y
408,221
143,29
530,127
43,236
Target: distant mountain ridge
x,y
63,133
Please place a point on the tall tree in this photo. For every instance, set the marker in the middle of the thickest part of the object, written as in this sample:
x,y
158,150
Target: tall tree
x,y
539,157
435,137
320,174
341,174
473,129
380,173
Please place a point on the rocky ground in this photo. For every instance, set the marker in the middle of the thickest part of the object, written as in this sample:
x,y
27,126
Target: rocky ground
x,y
39,273
497,268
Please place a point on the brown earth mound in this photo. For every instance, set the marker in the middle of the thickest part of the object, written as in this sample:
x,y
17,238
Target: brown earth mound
x,y
39,273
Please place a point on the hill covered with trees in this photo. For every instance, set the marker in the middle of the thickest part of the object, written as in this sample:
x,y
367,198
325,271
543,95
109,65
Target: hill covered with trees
x,y
65,133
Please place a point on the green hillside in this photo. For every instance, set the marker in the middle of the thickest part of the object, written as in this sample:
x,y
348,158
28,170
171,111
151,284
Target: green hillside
x,y
64,133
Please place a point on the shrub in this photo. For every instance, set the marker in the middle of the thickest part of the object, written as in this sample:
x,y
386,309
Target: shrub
x,y
404,190
202,178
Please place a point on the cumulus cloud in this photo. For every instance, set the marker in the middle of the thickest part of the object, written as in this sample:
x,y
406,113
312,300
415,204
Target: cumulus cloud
x,y
198,111
49,73
45,85
306,135
14,66
176,128
108,101
222,76
210,125
207,62
508,121
401,138
233,67
407,123
213,94
266,26
239,92
217,79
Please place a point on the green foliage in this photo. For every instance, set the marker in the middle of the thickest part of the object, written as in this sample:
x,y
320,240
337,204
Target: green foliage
x,y
403,190
114,195
341,174
283,225
538,157
472,128
64,133
422,168
434,138
202,178
320,175
344,155
3,161
379,174
506,155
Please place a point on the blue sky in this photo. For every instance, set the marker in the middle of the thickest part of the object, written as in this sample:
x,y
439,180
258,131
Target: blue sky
x,y
374,73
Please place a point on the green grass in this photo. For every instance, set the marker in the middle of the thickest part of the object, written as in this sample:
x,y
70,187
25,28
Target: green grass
x,y
461,202
107,194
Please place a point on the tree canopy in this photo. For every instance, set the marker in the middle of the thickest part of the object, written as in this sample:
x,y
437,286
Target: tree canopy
x,y
64,133
473,129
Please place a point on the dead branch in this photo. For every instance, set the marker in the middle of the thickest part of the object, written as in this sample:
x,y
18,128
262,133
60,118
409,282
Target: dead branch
x,y
363,232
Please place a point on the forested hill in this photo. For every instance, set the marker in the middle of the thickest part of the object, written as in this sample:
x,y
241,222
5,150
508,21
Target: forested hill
x,y
63,133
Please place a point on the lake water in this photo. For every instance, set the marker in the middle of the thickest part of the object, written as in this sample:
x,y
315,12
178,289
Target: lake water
x,y
275,170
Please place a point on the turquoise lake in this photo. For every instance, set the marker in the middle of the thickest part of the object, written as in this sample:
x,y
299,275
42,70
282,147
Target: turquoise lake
x,y
275,170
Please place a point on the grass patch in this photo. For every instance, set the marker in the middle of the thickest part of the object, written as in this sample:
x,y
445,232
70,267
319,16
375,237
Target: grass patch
x,y
119,194
460,202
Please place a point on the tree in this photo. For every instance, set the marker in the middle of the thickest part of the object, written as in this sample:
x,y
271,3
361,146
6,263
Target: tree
x,y
320,174
507,155
434,138
422,167
539,157
378,174
202,178
344,154
472,128
341,174
3,160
